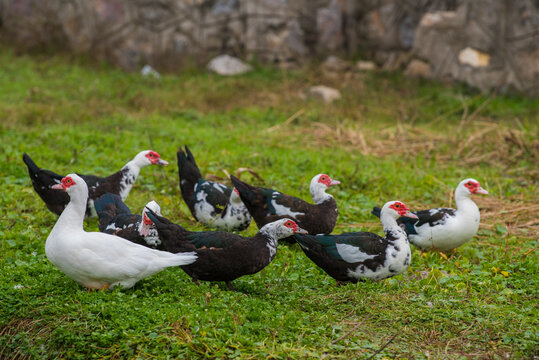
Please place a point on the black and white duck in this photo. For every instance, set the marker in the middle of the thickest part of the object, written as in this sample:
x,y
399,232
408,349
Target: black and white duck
x,y
116,218
267,205
119,183
224,256
212,204
363,255
444,229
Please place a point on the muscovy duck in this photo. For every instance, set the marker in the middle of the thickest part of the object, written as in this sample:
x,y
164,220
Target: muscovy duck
x,y
119,183
224,256
362,255
212,204
97,260
444,229
115,218
267,205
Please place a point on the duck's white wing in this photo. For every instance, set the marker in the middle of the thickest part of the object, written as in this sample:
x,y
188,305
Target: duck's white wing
x,y
112,258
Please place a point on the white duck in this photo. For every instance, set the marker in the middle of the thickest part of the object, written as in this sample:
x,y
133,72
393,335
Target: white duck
x,y
444,229
98,260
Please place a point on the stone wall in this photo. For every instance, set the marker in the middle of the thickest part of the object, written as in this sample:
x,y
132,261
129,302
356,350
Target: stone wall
x,y
165,33
491,44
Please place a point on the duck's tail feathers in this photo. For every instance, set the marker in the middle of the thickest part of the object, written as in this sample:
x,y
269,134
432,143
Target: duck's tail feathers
x,y
408,225
246,191
38,175
304,240
189,175
30,164
187,166
185,258
190,156
376,211
162,222
156,218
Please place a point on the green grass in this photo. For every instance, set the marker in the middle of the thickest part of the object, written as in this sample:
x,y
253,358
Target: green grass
x,y
388,138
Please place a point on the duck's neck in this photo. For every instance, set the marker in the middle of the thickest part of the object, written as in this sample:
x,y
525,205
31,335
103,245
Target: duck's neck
x,y
271,238
73,215
393,231
232,209
465,204
130,173
319,195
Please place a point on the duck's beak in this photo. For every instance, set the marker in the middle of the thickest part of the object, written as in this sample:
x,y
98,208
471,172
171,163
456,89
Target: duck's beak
x,y
300,231
334,182
144,230
162,162
410,215
57,186
480,190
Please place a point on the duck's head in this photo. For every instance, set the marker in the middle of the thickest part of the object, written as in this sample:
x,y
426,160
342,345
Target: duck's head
x,y
468,187
149,157
146,223
319,184
72,183
282,228
397,209
235,196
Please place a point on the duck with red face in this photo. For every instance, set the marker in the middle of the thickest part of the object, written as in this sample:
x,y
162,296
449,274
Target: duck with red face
x,y
444,229
267,205
119,183
116,218
224,256
351,257
97,260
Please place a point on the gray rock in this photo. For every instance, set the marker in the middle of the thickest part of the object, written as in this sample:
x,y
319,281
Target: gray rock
x,y
396,60
324,93
418,68
228,65
363,65
335,64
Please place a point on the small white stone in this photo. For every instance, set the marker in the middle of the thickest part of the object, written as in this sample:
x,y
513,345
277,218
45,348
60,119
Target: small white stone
x,y
228,65
418,68
474,58
335,64
324,93
362,65
434,18
147,71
